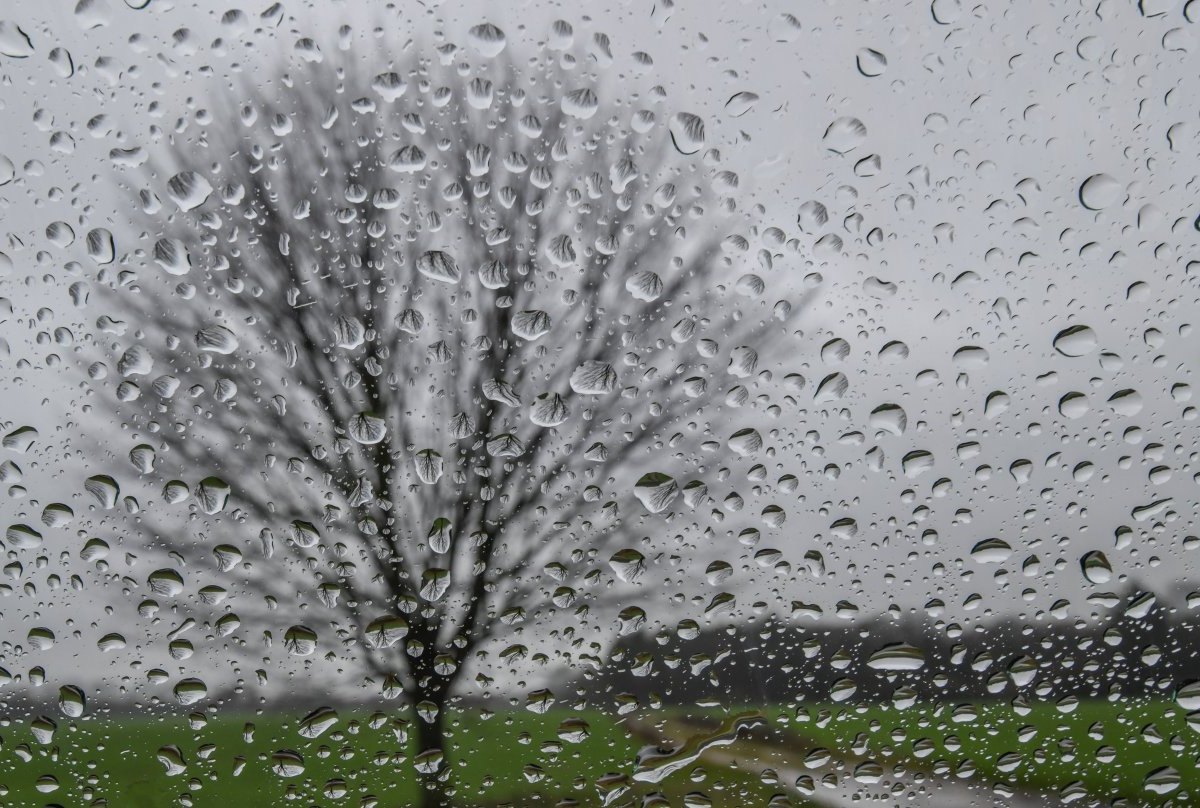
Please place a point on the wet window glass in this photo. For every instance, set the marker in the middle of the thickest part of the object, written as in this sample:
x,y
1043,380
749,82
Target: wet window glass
x,y
632,404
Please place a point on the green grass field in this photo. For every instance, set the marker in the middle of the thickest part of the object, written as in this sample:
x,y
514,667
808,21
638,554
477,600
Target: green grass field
x,y
1107,749
496,760
519,758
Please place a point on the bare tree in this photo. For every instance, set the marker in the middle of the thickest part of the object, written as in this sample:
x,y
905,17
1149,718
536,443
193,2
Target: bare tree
x,y
412,342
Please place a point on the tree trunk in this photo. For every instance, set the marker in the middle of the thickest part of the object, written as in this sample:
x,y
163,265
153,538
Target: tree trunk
x,y
437,785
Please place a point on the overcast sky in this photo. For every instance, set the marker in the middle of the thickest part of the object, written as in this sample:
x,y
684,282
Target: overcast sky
x,y
961,135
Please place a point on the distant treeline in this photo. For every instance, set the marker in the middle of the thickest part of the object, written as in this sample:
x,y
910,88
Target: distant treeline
x,y
1133,646
1139,649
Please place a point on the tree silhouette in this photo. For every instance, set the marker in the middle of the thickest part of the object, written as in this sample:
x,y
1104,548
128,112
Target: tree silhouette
x,y
420,347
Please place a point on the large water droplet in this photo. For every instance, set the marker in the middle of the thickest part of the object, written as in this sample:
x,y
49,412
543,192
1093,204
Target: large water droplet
x,y
844,135
1100,191
655,491
687,132
487,39
870,62
1075,341
1095,567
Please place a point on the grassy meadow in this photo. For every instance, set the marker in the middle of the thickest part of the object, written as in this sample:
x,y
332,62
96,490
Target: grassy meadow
x,y
1100,749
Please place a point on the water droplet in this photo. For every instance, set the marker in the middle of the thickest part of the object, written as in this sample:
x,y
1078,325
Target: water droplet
x,y
1162,780
71,701
991,551
171,758
1074,405
287,763
889,418
531,325
655,491
628,564
14,42
1100,191
212,493
744,442
1075,341
581,103
1188,695
844,135
300,641
573,730
104,490
916,463
317,722
655,764
897,656
832,388
386,631
594,378
366,428
216,339
687,132
487,39
438,266
166,582
428,466
740,103
188,190
870,62
22,537
1096,568
189,691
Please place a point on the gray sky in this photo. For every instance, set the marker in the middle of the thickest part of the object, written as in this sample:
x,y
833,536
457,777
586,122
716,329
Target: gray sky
x,y
985,122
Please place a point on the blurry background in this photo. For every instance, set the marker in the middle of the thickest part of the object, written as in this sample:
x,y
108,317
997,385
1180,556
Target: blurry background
x,y
982,217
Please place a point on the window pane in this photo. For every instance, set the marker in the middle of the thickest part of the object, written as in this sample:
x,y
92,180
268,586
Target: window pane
x,y
625,404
